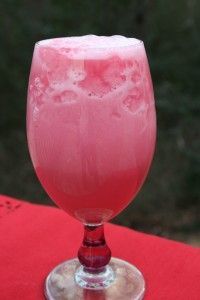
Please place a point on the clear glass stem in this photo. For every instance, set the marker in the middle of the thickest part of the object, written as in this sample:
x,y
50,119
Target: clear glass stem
x,y
94,256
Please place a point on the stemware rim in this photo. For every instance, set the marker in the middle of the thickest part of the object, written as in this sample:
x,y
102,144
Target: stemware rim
x,y
135,44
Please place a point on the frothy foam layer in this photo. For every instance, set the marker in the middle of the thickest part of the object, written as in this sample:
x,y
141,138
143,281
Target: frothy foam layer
x,y
91,41
94,47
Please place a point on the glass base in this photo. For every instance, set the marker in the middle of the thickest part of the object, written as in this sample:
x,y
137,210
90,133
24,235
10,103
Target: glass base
x,y
120,280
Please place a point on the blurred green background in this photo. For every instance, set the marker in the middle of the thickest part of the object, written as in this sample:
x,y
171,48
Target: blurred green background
x,y
168,203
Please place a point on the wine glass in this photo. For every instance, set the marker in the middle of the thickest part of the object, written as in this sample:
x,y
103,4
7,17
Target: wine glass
x,y
91,127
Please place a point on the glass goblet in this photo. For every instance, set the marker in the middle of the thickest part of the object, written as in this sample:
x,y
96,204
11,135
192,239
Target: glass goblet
x,y
91,127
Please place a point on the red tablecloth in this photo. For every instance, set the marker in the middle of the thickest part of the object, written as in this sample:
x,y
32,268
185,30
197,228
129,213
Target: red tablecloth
x,y
35,238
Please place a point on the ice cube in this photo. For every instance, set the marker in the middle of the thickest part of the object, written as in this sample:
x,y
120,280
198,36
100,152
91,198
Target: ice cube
x,y
66,96
134,101
95,86
37,89
113,74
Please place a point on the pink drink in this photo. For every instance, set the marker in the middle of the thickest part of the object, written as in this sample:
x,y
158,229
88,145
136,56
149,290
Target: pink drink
x,y
91,122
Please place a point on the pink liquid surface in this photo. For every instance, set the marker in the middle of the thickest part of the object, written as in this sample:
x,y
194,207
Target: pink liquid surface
x,y
91,122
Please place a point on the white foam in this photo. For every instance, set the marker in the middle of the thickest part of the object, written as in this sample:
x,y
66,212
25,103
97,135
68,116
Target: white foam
x,y
91,41
92,45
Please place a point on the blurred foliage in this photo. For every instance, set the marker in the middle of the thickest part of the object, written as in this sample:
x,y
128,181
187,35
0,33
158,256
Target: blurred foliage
x,y
170,30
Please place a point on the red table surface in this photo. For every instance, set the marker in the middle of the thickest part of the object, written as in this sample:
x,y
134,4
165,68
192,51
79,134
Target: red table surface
x,y
35,238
